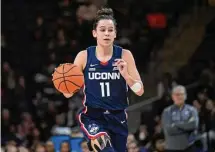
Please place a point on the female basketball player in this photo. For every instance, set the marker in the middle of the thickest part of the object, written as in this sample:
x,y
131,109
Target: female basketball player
x,y
108,69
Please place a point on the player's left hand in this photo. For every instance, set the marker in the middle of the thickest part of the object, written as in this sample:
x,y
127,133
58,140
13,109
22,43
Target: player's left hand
x,y
122,67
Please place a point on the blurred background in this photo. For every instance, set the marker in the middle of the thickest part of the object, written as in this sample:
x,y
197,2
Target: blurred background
x,y
173,42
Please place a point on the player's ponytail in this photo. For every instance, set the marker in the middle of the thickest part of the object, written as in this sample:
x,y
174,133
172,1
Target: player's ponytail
x,y
104,13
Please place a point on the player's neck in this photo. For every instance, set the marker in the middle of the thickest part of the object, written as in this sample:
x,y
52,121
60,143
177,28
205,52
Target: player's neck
x,y
104,51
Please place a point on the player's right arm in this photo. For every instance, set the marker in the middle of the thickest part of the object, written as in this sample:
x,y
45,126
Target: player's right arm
x,y
80,61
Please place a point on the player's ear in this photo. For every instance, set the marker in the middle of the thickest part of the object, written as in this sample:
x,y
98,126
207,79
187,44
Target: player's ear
x,y
94,33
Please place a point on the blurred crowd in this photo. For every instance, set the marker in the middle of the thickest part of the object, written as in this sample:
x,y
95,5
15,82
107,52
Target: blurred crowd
x,y
38,35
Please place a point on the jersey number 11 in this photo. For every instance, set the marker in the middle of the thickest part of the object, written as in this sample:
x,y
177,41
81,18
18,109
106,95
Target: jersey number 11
x,y
105,86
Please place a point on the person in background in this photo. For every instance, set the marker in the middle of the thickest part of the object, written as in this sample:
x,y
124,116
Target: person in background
x,y
133,147
65,147
50,146
11,146
159,145
40,148
23,149
142,135
84,146
130,138
180,123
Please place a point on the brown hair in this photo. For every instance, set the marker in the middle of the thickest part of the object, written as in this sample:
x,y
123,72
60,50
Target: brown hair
x,y
104,14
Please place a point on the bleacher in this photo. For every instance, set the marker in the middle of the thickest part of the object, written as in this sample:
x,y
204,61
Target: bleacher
x,y
202,58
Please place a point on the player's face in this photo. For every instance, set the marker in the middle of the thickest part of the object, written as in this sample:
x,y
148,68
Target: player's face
x,y
105,32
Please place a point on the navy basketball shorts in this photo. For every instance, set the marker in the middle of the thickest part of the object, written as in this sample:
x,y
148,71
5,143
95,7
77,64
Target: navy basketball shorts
x,y
96,122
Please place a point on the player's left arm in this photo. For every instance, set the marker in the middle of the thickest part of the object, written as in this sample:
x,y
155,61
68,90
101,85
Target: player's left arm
x,y
128,70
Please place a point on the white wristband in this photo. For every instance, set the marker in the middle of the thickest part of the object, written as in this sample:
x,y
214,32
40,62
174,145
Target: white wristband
x,y
136,87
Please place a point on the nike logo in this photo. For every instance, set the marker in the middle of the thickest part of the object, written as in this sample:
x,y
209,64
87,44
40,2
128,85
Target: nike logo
x,y
122,122
92,65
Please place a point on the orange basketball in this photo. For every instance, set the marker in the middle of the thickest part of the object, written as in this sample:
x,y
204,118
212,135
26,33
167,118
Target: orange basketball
x,y
68,78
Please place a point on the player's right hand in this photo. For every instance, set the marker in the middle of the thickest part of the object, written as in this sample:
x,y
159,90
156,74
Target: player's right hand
x,y
68,95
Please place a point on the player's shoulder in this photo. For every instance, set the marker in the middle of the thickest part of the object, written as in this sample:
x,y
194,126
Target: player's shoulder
x,y
82,53
123,49
126,51
81,58
127,55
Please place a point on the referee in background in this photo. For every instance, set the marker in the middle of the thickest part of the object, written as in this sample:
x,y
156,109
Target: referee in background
x,y
180,123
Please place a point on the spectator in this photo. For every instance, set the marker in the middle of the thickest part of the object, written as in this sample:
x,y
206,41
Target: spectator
x,y
50,115
50,146
133,147
180,123
20,93
142,135
35,137
23,149
59,121
65,147
11,148
159,145
84,146
6,122
20,134
130,138
209,124
87,11
210,117
40,148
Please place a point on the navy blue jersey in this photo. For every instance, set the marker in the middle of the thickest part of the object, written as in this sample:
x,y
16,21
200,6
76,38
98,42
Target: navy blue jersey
x,y
104,85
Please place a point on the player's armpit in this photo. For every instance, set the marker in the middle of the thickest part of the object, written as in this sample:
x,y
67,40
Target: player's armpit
x,y
134,78
81,59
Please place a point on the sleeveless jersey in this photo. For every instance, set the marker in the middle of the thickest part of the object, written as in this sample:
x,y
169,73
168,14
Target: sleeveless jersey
x,y
104,85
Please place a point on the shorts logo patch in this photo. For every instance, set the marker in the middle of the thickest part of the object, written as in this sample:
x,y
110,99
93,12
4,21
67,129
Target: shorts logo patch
x,y
93,128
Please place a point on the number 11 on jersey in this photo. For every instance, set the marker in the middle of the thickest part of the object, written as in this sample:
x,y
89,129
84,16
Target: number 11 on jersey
x,y
105,87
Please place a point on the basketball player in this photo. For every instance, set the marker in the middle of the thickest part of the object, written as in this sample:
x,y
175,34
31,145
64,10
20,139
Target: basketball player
x,y
108,69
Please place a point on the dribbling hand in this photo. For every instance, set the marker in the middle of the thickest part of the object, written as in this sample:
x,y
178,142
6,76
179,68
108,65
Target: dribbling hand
x,y
122,67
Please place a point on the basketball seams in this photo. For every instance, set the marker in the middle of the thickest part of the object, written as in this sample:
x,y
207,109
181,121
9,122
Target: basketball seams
x,y
67,76
66,71
73,83
64,80
59,85
64,77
